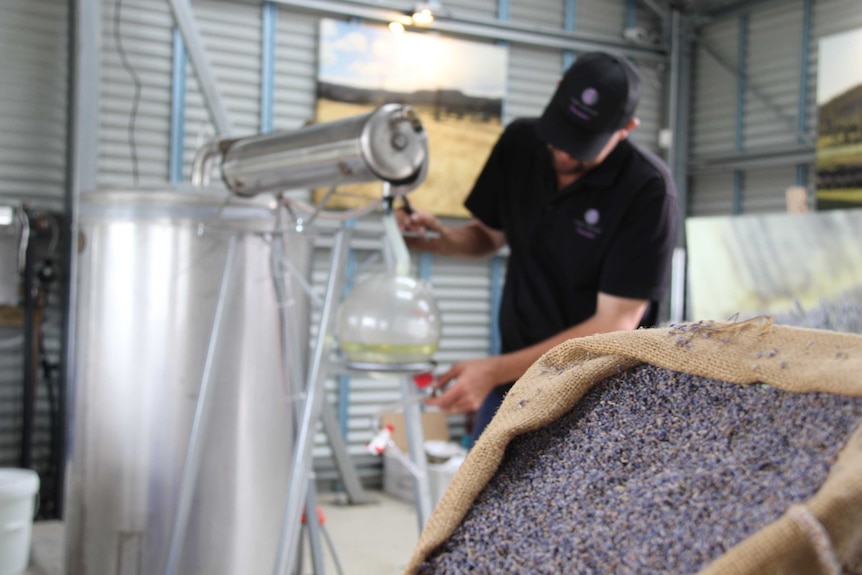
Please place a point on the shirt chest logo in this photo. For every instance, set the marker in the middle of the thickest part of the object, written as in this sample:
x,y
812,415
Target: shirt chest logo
x,y
588,224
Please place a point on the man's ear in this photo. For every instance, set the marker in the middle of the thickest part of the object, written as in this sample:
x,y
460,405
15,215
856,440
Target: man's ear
x,y
633,123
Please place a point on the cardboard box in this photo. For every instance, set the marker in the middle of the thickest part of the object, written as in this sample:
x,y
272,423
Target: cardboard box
x,y
434,426
399,482
397,479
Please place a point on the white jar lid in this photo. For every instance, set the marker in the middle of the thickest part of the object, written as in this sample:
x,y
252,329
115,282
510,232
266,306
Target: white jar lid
x,y
17,483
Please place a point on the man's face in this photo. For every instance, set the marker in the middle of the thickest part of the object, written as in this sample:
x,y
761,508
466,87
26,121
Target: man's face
x,y
565,165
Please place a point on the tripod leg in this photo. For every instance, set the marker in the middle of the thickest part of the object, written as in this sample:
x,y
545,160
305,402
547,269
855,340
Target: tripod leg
x,y
300,554
315,396
416,448
346,469
332,553
199,423
313,526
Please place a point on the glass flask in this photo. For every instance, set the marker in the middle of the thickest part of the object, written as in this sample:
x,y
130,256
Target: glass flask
x,y
389,319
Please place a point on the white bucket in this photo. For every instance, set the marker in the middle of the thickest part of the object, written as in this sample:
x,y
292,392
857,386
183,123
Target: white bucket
x,y
18,488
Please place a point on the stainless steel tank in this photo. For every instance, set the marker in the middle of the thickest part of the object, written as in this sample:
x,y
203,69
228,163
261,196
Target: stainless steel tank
x,y
388,144
150,267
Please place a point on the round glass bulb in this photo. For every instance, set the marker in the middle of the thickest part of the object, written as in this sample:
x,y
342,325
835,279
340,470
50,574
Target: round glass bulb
x,y
389,319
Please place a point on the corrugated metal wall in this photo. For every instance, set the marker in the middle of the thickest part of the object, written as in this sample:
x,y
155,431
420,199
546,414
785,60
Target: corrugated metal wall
x,y
231,34
33,94
152,114
753,140
604,19
771,114
33,123
714,98
135,94
295,69
234,37
835,17
544,13
533,74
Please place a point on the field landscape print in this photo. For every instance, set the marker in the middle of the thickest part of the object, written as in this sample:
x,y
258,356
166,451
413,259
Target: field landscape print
x,y
839,127
457,88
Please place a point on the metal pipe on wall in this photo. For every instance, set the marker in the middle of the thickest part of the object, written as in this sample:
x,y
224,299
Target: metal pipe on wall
x,y
194,44
678,125
679,108
31,358
482,28
81,170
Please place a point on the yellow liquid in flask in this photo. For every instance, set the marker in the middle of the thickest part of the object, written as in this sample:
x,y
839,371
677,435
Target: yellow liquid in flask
x,y
388,352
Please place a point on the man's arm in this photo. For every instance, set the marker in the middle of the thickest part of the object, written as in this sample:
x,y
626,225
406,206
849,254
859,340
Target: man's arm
x,y
613,313
475,378
473,239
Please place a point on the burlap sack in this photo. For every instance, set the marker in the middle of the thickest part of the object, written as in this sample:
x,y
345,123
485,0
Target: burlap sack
x,y
810,539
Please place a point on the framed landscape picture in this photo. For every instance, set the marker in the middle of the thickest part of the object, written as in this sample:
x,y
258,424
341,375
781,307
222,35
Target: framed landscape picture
x,y
457,88
839,124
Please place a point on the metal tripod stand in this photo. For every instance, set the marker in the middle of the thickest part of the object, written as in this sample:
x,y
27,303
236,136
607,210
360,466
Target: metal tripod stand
x,y
315,407
292,365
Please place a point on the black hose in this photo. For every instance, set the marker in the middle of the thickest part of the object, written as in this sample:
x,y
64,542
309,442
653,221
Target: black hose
x,y
51,505
48,509
25,459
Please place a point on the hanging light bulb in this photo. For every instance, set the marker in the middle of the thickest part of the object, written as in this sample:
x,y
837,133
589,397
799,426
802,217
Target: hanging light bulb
x,y
396,27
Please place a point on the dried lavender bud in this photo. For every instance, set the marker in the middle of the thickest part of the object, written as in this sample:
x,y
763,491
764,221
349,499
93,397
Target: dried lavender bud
x,y
842,313
653,471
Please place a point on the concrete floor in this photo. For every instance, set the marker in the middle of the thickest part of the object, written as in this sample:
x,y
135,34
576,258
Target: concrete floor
x,y
373,539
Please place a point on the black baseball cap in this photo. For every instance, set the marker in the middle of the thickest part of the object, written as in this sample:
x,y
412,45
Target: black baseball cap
x,y
596,97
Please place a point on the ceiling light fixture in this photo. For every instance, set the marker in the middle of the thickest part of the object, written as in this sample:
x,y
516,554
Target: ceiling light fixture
x,y
423,17
425,12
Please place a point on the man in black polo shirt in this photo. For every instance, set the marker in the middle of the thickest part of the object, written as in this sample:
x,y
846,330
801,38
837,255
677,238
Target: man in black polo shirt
x,y
590,220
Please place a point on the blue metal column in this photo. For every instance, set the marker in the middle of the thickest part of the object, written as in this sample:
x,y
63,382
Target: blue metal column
x,y
178,108
570,20
503,16
344,378
802,169
496,264
497,276
503,10
269,21
739,145
82,158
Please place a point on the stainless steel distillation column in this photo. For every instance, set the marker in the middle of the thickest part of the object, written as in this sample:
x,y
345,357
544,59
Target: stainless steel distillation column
x,y
192,464
173,310
388,144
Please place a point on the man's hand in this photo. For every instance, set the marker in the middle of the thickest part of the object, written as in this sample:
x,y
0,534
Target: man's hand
x,y
422,231
473,381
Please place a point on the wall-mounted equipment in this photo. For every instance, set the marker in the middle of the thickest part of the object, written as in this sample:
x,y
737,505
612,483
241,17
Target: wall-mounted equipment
x,y
13,232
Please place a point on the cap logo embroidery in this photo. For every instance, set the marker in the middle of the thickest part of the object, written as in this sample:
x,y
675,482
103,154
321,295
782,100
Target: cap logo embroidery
x,y
590,97
576,109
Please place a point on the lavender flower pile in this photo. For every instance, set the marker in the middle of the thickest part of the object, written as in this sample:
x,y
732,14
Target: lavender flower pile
x,y
842,314
653,471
